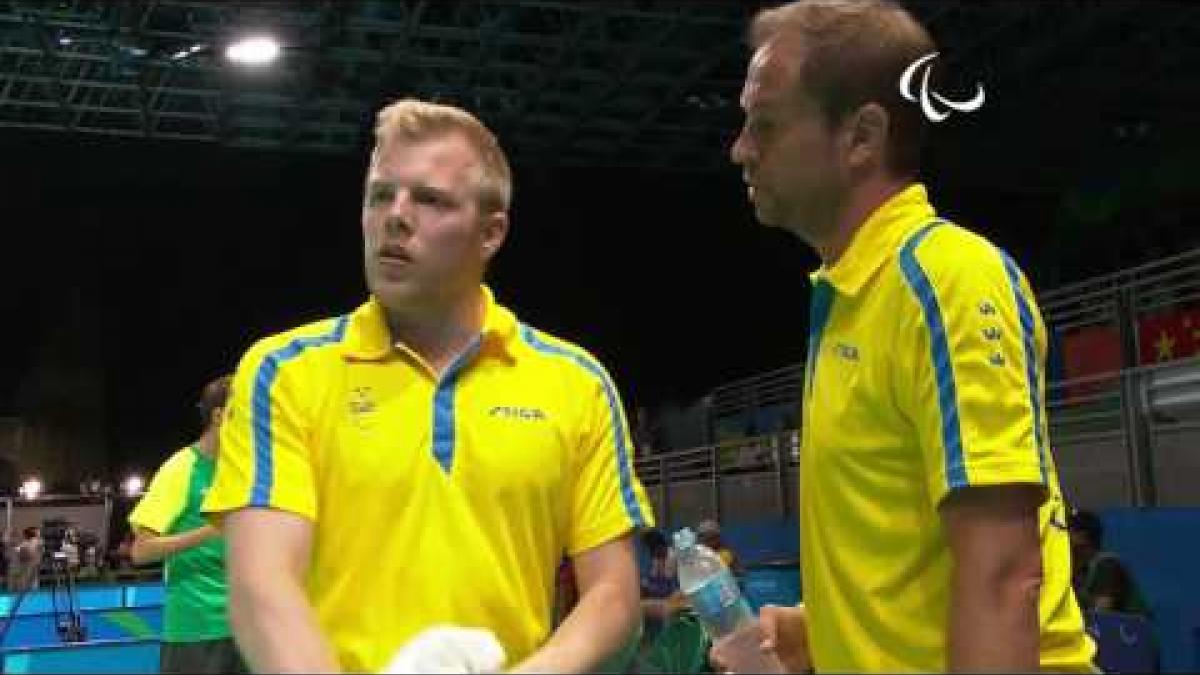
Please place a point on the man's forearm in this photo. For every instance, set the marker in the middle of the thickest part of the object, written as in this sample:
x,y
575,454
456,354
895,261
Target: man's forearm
x,y
994,627
602,623
276,628
150,548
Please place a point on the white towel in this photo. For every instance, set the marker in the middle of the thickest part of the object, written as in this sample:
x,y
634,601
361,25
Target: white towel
x,y
449,649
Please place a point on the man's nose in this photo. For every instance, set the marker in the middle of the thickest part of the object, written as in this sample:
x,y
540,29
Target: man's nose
x,y
739,152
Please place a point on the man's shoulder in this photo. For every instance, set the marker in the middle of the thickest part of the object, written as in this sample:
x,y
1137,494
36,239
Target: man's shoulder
x,y
568,357
306,342
945,244
949,258
180,461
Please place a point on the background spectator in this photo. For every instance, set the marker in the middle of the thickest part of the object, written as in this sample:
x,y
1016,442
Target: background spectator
x,y
1100,579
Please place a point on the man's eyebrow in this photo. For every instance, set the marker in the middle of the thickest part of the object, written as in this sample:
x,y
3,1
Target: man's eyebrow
x,y
412,185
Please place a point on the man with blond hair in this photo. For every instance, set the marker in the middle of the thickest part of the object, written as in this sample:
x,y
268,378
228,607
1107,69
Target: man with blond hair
x,y
932,523
426,460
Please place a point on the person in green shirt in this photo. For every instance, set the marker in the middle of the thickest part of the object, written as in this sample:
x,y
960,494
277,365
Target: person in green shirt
x,y
168,526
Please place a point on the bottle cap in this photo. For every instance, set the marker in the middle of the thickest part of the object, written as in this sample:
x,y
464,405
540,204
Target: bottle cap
x,y
684,539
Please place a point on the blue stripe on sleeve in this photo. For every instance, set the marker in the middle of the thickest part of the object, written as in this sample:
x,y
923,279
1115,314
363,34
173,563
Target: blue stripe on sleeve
x,y
939,354
260,407
628,498
1031,360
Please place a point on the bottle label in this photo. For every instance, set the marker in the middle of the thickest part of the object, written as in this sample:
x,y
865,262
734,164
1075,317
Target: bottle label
x,y
719,603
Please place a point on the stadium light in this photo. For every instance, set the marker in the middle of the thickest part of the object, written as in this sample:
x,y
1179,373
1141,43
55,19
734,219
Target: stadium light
x,y
31,489
132,487
255,50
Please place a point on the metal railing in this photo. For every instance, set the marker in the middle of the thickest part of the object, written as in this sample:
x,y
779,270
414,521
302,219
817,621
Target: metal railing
x,y
1131,436
1100,459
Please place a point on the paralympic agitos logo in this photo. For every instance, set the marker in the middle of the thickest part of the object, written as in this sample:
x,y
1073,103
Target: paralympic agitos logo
x,y
927,97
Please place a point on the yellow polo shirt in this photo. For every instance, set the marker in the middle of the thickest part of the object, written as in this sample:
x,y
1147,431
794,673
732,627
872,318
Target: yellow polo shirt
x,y
434,500
925,375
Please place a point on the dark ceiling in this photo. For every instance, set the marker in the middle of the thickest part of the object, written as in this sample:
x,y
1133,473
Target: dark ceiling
x,y
648,84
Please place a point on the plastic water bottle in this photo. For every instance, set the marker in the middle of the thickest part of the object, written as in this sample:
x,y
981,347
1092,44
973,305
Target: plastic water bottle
x,y
710,587
718,602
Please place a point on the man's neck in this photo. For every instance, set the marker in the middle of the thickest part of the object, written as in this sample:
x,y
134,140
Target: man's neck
x,y
863,201
207,444
440,334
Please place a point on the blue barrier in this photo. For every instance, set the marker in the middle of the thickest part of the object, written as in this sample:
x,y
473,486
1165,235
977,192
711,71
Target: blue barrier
x,y
765,541
90,597
122,622
1125,642
1161,547
145,595
41,602
773,585
99,624
118,656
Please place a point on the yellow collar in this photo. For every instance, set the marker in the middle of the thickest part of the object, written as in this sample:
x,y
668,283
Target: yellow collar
x,y
877,239
369,338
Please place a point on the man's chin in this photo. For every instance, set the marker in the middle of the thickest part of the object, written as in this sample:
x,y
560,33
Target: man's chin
x,y
392,292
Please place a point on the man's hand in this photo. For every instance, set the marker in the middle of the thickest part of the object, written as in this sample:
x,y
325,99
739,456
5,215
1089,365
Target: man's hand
x,y
676,603
785,633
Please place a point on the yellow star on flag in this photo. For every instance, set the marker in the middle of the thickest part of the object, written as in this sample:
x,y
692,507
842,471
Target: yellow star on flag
x,y
1165,345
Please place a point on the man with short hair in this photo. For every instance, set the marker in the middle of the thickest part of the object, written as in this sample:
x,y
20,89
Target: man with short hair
x,y
168,526
1100,579
932,534
427,459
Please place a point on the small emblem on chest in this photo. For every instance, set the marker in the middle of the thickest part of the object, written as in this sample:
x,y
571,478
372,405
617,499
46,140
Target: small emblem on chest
x,y
362,402
846,351
516,412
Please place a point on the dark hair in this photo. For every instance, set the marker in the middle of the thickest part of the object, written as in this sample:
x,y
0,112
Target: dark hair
x,y
31,532
853,52
1089,524
213,396
655,542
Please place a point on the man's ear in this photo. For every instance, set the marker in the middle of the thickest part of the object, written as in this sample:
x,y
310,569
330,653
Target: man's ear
x,y
495,230
867,136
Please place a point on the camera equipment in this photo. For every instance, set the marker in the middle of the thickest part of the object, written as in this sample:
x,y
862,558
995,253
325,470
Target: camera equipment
x,y
64,597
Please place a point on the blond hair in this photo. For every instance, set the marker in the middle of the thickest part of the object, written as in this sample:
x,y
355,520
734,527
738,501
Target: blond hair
x,y
853,52
409,120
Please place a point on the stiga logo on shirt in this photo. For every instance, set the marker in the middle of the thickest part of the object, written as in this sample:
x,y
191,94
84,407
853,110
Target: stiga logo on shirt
x,y
516,412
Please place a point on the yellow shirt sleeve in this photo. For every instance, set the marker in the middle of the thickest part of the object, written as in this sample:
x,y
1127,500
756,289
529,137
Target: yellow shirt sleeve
x,y
608,499
166,495
975,393
264,460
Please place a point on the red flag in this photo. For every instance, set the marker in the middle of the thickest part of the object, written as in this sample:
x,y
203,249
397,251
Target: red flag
x,y
1090,351
1170,335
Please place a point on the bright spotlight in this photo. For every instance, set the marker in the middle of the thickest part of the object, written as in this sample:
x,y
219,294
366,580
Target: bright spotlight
x,y
253,51
132,487
31,489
